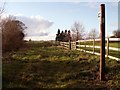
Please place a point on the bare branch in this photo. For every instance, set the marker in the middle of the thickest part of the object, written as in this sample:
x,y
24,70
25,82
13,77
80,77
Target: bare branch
x,y
2,9
93,34
78,30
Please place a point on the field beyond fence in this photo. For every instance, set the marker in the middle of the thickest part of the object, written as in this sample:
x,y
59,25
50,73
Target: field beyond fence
x,y
93,46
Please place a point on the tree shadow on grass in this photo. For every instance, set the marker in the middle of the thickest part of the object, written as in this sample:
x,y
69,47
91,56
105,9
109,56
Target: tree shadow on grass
x,y
53,70
46,74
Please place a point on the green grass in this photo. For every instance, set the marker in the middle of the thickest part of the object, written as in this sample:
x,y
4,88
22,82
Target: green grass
x,y
114,44
111,52
46,65
111,44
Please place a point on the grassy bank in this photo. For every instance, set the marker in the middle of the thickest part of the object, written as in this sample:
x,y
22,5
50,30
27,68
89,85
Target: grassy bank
x,y
46,65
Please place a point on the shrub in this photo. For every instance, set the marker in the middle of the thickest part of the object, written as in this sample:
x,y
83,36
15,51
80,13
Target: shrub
x,y
12,34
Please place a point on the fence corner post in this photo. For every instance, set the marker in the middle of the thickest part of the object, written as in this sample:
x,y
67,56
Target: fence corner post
x,y
102,42
76,44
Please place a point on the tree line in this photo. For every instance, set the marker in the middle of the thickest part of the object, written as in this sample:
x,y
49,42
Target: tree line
x,y
77,32
116,34
63,35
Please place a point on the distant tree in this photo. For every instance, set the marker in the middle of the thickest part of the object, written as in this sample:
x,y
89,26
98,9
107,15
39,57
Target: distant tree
x,y
116,33
69,35
2,9
12,34
78,30
58,31
30,40
58,35
93,34
63,36
66,32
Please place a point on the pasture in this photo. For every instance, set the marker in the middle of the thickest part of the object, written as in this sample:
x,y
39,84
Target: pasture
x,y
48,65
93,46
97,43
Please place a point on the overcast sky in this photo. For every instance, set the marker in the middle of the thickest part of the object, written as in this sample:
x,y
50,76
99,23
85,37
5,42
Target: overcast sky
x,y
44,18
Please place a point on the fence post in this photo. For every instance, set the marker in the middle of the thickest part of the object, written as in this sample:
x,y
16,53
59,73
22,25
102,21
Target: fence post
x,y
79,43
69,44
58,42
76,44
107,46
63,45
102,42
93,45
85,45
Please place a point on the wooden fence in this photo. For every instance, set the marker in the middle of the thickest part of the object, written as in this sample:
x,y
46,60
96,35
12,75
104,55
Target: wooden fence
x,y
82,45
68,45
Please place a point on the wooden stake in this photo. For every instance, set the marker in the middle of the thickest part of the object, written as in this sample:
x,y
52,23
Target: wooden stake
x,y
107,46
85,45
69,44
102,42
93,46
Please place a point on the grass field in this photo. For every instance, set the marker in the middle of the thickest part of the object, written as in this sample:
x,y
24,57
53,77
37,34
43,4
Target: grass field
x,y
111,44
46,65
111,52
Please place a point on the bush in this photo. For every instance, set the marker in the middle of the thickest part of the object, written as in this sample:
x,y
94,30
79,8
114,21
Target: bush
x,y
12,34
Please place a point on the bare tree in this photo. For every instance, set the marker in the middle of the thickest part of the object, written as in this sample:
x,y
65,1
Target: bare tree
x,y
2,9
77,31
93,34
116,33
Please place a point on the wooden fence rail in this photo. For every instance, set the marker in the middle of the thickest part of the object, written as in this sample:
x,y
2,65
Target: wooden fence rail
x,y
77,46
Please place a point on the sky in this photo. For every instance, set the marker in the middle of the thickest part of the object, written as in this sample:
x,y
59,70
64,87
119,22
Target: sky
x,y
44,18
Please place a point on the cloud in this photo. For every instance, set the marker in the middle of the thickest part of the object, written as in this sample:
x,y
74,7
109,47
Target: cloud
x,y
114,4
96,4
37,38
114,24
40,34
36,25
62,1
92,4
